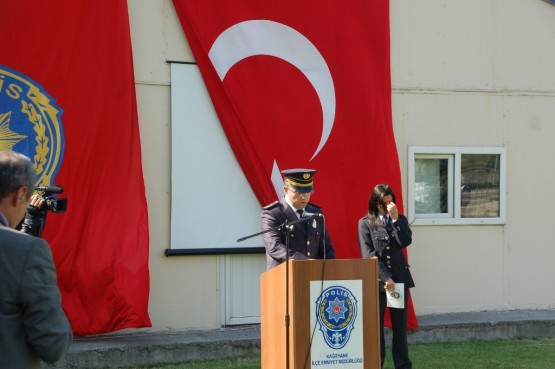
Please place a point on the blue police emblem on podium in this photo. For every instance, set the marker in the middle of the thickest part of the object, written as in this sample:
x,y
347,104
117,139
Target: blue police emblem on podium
x,y
30,123
336,312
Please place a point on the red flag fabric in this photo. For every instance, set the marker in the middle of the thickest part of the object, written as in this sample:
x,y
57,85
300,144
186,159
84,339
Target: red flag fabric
x,y
67,100
303,84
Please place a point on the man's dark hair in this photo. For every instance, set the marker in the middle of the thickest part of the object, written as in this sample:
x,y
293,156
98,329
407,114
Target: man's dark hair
x,y
16,170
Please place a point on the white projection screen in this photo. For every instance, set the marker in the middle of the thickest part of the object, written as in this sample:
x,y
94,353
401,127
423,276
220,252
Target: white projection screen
x,y
212,204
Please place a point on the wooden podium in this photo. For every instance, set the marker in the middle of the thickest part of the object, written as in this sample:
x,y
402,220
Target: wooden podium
x,y
301,273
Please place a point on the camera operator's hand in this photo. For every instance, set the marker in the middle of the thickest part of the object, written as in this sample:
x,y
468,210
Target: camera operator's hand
x,y
31,222
36,201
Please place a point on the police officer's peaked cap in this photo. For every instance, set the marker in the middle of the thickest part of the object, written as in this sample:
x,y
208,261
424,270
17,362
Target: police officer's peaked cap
x,y
301,179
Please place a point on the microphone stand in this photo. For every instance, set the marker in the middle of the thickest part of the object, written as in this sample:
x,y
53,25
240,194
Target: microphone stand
x,y
286,228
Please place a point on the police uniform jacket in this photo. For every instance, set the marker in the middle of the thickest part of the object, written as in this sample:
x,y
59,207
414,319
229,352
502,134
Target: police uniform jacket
x,y
387,243
307,239
33,326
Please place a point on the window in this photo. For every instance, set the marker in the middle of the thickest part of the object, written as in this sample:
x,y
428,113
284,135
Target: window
x,y
456,185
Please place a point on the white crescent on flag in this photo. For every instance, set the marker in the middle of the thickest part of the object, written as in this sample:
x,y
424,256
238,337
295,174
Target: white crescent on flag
x,y
264,37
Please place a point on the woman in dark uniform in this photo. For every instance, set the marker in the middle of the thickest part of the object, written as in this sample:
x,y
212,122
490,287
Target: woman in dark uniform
x,y
383,233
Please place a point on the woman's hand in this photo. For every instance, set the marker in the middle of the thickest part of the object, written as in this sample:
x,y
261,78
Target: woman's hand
x,y
392,211
389,285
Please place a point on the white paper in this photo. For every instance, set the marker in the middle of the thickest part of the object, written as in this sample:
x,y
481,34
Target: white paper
x,y
396,298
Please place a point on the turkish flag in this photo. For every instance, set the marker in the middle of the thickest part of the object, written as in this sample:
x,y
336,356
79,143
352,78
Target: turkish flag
x,y
67,100
303,84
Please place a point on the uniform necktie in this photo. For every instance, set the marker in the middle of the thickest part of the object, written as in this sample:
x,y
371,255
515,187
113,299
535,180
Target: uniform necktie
x,y
300,212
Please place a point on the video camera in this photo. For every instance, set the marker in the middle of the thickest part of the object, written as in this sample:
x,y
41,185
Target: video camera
x,y
35,217
55,205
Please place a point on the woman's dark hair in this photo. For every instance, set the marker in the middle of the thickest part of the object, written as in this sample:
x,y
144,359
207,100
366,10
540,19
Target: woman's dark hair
x,y
376,199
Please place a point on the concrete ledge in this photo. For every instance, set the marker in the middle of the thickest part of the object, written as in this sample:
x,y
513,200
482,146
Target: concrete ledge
x,y
147,347
484,325
144,347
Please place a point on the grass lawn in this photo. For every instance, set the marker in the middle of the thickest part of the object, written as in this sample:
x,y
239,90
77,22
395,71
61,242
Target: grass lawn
x,y
505,354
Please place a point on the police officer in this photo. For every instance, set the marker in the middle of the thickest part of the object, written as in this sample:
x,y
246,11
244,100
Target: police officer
x,y
383,233
309,239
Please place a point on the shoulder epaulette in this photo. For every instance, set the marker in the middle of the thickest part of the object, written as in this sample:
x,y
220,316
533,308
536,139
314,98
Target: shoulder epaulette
x,y
271,205
317,206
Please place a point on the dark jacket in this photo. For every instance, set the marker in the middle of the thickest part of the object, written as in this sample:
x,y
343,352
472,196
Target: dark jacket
x,y
31,224
33,326
307,240
387,245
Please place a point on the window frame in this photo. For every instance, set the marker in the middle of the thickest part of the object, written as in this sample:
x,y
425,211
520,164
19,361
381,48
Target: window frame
x,y
453,154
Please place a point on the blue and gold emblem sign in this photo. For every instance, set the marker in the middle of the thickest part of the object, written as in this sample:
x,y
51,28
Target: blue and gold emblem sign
x,y
30,123
336,312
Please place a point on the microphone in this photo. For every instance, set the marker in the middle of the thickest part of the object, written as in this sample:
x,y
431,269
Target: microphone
x,y
50,189
312,215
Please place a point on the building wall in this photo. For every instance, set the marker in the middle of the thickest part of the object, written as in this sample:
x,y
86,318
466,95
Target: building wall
x,y
472,73
184,291
480,73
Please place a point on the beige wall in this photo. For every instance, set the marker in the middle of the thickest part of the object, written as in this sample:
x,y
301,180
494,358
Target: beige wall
x,y
184,290
464,73
481,73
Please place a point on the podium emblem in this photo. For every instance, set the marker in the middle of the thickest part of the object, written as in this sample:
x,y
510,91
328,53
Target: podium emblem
x,y
336,313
